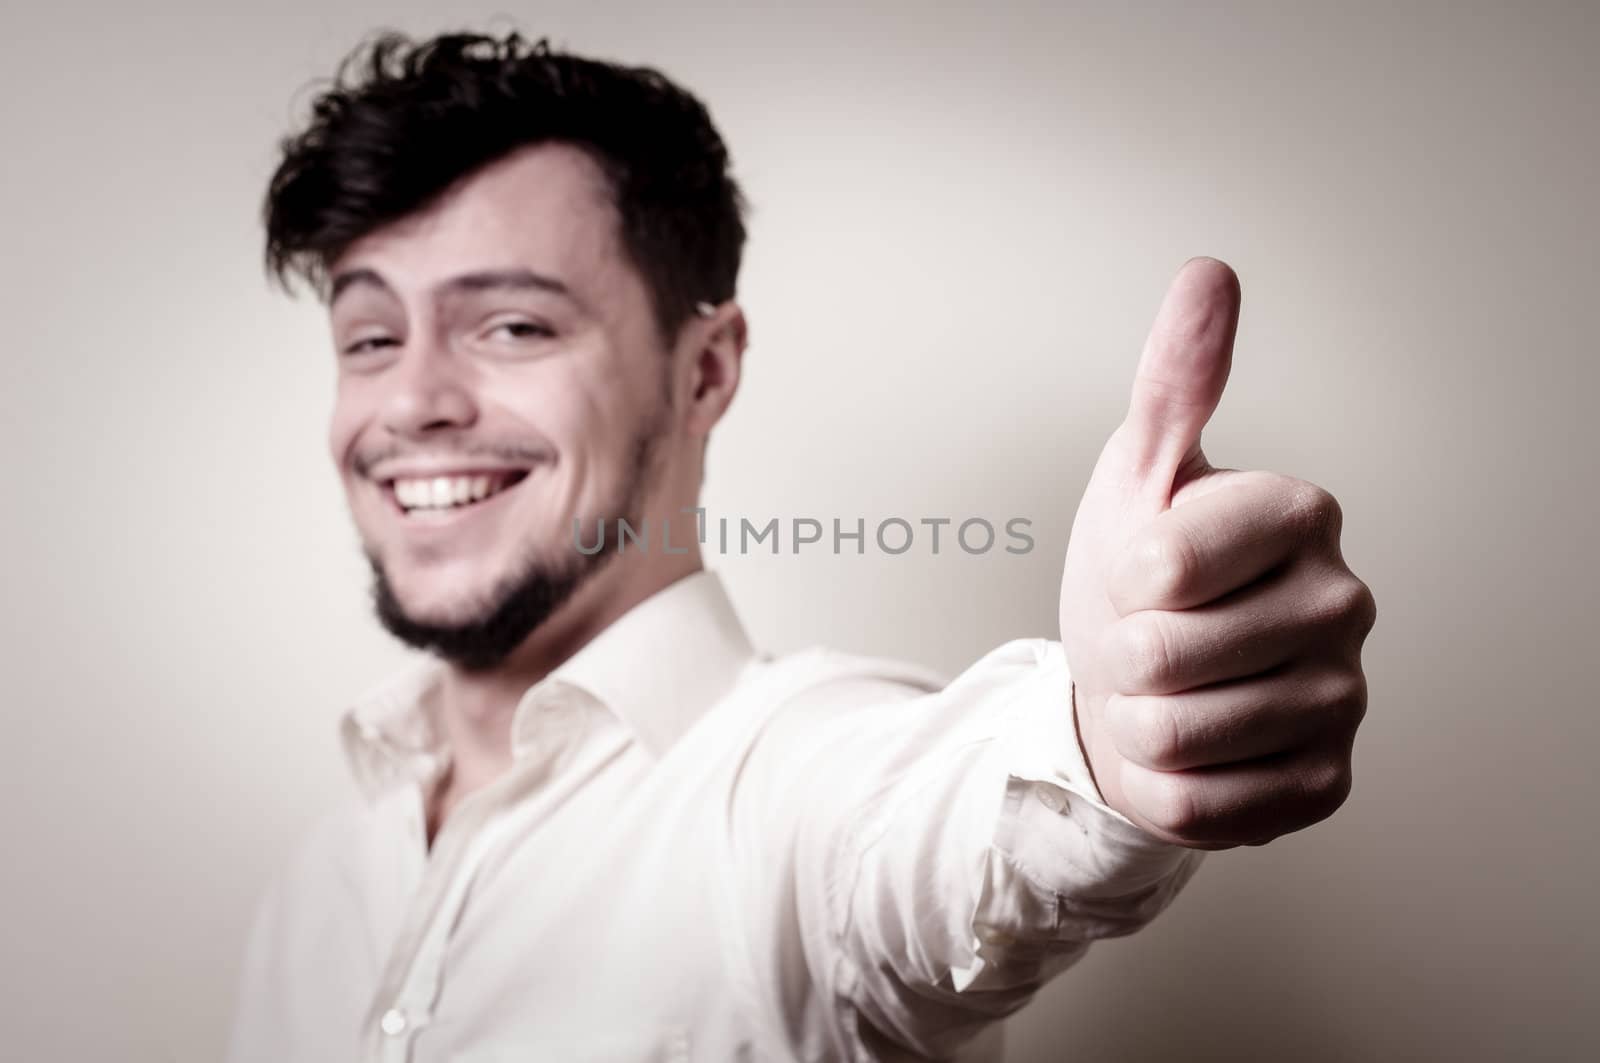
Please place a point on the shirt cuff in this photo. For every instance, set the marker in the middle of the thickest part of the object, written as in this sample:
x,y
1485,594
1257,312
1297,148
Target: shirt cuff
x,y
1063,868
1055,826
1043,744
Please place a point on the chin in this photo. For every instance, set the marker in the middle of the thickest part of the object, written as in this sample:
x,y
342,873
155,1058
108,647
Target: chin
x,y
442,594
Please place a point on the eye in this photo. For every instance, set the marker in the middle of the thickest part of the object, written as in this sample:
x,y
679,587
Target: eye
x,y
371,343
522,330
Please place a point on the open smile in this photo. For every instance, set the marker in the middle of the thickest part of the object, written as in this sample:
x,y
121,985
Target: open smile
x,y
422,496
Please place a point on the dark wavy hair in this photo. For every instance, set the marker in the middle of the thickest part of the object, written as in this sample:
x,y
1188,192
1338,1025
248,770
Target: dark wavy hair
x,y
403,120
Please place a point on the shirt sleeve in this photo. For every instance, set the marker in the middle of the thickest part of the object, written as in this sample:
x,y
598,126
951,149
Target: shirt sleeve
x,y
941,853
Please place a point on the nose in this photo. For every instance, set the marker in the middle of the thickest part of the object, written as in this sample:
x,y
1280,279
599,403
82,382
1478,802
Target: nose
x,y
428,392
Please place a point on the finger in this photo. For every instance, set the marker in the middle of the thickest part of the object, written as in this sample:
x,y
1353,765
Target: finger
x,y
1237,720
1294,612
1181,374
1239,804
1221,541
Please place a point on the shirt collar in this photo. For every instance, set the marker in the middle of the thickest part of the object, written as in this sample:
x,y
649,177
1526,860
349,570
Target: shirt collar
x,y
391,734
657,668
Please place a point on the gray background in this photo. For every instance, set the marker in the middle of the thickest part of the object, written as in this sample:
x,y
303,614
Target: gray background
x,y
964,220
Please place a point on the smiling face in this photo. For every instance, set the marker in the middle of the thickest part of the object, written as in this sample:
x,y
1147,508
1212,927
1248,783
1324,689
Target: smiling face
x,y
501,375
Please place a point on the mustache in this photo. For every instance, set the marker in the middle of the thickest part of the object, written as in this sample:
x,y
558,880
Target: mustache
x,y
506,453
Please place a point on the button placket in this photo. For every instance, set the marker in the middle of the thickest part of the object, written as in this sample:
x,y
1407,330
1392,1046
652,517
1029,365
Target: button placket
x,y
416,967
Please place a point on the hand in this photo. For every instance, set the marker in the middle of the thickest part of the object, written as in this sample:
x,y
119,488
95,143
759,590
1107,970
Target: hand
x,y
1211,626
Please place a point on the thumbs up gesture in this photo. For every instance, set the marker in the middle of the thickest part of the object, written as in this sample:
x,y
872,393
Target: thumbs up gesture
x,y
1211,626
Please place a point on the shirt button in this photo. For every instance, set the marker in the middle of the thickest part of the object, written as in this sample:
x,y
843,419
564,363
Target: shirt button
x,y
393,1022
1050,798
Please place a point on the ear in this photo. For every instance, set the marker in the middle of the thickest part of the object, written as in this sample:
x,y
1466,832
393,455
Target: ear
x,y
713,350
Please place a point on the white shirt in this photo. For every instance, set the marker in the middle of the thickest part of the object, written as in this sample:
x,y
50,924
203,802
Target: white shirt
x,y
704,853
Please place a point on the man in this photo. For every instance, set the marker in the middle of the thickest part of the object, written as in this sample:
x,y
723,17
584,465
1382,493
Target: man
x,y
597,824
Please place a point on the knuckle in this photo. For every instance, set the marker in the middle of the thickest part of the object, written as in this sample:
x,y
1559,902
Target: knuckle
x,y
1348,602
1343,697
1327,786
1315,510
1158,733
1365,608
1173,807
1146,653
1169,561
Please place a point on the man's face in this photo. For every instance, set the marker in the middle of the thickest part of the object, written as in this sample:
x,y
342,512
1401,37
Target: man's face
x,y
499,376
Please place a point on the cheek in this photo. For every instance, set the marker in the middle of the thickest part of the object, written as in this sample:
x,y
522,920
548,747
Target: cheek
x,y
344,425
590,406
582,418
600,453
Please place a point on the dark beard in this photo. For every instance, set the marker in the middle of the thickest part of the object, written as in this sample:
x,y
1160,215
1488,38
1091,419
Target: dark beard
x,y
518,607
523,601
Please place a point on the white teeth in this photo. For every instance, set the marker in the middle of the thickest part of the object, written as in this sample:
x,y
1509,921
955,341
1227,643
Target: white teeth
x,y
443,492
409,493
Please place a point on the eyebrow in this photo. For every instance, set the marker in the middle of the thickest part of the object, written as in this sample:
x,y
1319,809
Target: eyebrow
x,y
479,281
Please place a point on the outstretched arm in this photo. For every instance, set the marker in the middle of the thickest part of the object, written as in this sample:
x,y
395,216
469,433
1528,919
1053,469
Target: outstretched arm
x,y
945,852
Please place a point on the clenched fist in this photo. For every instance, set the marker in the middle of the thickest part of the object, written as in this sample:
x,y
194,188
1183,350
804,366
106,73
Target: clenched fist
x,y
1211,626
